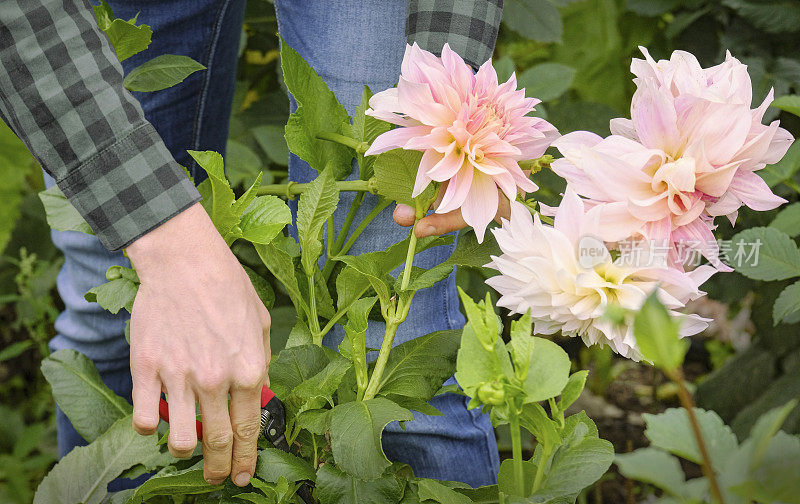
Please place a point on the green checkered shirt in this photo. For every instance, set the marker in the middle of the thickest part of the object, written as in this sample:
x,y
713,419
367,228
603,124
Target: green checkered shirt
x,y
61,92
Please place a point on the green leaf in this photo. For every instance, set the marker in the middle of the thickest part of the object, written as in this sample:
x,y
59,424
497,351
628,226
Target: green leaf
x,y
242,164
15,350
356,429
787,304
765,429
264,219
651,7
114,295
776,16
103,14
572,390
475,365
61,215
271,139
127,38
173,482
315,391
293,366
278,257
504,67
776,477
418,367
547,81
367,129
655,467
576,464
161,72
535,420
534,19
273,464
507,481
116,450
671,431
318,111
218,202
436,491
768,254
657,335
81,394
337,487
790,104
315,206
395,173
548,372
788,220
262,287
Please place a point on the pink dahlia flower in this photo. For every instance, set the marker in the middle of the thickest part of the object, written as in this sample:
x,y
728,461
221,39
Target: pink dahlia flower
x,y
472,131
689,153
545,270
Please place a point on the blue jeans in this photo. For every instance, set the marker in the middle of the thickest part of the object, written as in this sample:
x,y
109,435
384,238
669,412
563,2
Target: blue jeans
x,y
350,43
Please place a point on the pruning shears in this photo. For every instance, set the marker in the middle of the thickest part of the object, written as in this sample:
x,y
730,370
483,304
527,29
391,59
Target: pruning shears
x,y
273,428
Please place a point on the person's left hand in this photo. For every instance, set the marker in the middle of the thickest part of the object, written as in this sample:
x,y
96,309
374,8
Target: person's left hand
x,y
439,224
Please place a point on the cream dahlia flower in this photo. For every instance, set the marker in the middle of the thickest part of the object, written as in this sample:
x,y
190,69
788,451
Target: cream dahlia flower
x,y
472,131
567,278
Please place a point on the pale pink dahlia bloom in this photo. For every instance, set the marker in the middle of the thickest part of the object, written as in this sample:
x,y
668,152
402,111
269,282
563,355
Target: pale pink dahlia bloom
x,y
689,152
541,270
472,131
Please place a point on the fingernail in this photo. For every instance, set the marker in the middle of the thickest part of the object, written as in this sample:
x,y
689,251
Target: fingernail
x,y
404,211
426,230
242,479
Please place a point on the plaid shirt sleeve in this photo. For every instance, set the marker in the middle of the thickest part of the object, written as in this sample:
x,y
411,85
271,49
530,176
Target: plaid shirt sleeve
x,y
469,26
61,92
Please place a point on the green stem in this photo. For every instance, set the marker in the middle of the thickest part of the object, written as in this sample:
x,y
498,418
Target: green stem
x,y
292,189
516,451
792,184
359,147
537,481
688,404
412,250
313,320
383,203
348,222
383,356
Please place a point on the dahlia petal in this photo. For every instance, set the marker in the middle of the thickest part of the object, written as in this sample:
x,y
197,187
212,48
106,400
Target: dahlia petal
x,y
754,192
395,139
480,205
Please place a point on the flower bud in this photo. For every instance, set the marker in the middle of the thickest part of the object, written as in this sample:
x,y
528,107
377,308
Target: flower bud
x,y
492,393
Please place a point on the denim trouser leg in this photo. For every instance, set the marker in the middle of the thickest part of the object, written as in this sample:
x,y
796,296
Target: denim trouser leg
x,y
351,43
192,115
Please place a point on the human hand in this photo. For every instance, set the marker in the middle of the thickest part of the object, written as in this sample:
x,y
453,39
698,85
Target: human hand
x,y
438,224
198,332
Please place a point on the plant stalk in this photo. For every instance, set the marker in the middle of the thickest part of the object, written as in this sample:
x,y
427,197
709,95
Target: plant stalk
x,y
383,356
516,451
359,147
688,404
290,190
383,203
313,320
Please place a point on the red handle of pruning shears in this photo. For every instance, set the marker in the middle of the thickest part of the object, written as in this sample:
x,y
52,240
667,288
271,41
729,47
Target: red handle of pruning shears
x,y
163,409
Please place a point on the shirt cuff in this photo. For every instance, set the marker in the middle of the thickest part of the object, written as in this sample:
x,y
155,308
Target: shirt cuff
x,y
129,188
469,26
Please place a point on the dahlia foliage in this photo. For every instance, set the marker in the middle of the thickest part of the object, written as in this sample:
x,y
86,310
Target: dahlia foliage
x,y
640,204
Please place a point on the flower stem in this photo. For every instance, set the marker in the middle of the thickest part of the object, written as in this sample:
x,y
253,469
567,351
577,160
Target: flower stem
x,y
383,356
291,189
359,147
328,269
516,451
688,404
412,249
313,320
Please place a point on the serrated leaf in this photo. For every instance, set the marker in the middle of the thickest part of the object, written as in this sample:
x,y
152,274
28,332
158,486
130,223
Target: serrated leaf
x,y
316,205
418,367
318,390
262,287
787,303
242,164
548,372
769,254
535,19
785,168
161,72
264,219
273,464
81,394
367,129
218,199
318,111
173,482
114,295
671,431
788,220
436,491
546,81
61,215
653,466
657,335
356,429
572,390
776,16
116,450
395,173
127,38
337,487
293,366
277,257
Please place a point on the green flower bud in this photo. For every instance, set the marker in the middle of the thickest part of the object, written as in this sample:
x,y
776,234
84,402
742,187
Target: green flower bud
x,y
113,273
492,393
